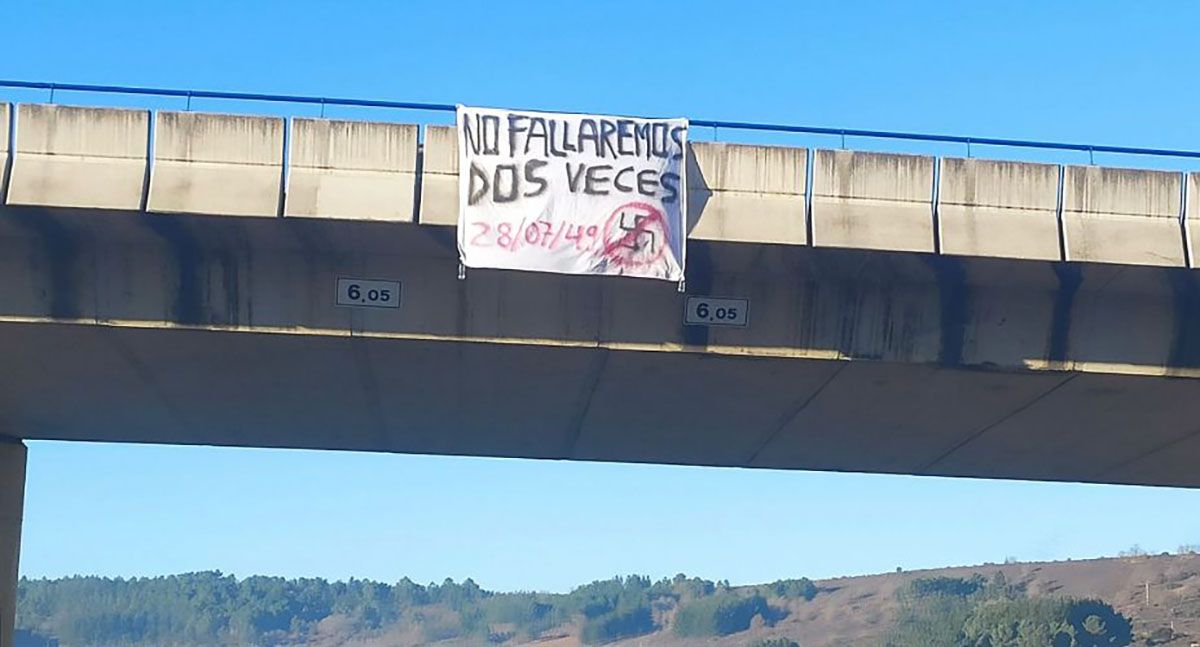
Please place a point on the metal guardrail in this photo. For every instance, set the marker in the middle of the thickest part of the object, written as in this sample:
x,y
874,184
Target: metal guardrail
x,y
1090,149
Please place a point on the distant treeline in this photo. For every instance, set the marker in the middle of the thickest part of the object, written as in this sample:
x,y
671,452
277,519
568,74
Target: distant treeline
x,y
210,608
974,612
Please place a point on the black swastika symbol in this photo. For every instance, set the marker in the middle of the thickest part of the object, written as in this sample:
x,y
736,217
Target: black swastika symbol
x,y
633,239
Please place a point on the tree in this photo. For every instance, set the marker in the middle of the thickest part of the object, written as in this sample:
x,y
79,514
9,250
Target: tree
x,y
957,612
793,589
617,625
1097,624
719,615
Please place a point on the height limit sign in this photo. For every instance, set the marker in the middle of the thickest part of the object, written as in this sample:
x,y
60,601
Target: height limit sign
x,y
716,311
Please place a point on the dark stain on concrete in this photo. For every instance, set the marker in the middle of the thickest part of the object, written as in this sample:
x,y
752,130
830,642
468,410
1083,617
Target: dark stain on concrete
x,y
954,307
848,316
230,285
1185,336
61,251
1070,277
188,258
807,315
699,275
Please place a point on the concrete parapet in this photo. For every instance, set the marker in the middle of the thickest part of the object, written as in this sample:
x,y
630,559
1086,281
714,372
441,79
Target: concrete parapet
x,y
352,170
4,158
93,158
1113,215
995,208
217,164
1192,221
747,193
872,201
439,177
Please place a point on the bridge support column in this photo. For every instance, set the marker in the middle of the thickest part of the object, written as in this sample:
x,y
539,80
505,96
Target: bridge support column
x,y
12,503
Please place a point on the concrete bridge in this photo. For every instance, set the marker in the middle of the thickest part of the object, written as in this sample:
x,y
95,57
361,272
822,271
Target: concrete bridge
x,y
175,277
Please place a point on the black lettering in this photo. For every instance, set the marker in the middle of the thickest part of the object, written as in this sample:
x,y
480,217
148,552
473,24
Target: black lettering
x,y
670,183
593,183
513,183
473,194
532,177
648,182
554,140
566,138
588,132
471,137
537,129
607,130
483,139
623,188
492,123
658,140
677,137
624,132
573,179
513,129
641,135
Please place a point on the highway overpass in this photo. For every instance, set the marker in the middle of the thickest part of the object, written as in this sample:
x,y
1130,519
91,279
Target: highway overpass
x,y
173,277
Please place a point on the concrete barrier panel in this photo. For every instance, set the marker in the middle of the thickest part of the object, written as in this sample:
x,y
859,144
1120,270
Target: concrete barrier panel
x,y
994,208
872,201
1113,215
1192,222
217,164
3,147
92,158
439,177
352,170
747,193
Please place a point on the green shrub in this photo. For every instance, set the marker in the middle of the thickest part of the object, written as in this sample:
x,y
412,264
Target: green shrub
x,y
948,586
719,615
794,589
774,642
954,612
616,625
527,612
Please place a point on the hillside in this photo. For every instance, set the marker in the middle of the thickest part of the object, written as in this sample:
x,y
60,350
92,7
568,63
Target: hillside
x,y
860,610
210,608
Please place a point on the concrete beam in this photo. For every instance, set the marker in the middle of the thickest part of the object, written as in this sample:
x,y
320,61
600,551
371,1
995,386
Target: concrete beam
x,y
352,170
752,194
872,201
999,209
12,503
217,164
439,177
271,274
1098,427
206,329
91,158
925,410
1113,215
151,384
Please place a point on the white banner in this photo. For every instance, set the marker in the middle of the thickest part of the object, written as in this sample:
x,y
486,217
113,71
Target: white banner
x,y
574,194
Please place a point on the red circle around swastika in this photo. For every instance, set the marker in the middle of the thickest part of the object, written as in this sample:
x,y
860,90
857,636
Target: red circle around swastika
x,y
635,235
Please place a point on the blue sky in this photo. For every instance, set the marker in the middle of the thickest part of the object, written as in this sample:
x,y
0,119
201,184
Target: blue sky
x,y
1096,72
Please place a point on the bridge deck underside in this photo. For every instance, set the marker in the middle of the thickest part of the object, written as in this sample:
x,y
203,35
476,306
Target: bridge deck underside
x,y
129,384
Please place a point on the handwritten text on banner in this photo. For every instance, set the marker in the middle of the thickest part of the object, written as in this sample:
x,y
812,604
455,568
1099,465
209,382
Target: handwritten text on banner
x,y
574,194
